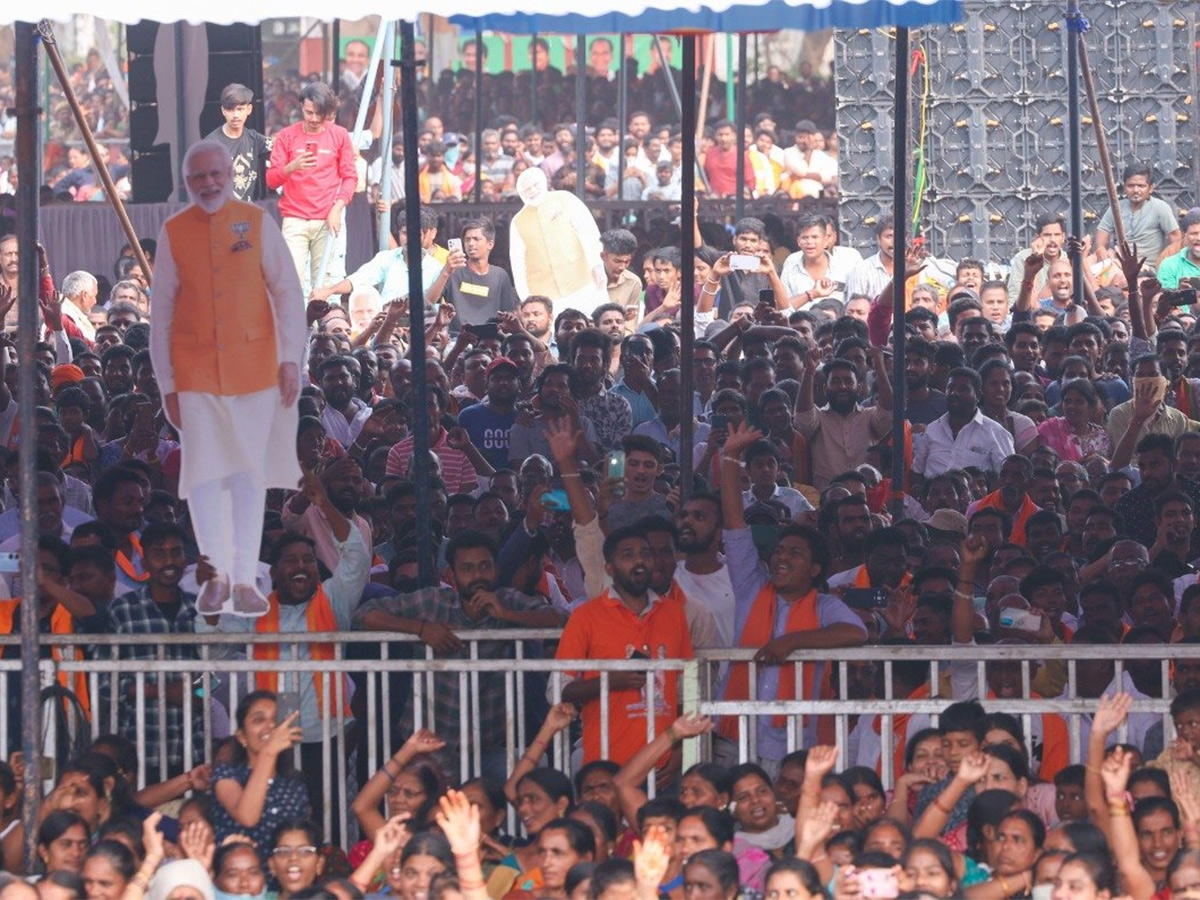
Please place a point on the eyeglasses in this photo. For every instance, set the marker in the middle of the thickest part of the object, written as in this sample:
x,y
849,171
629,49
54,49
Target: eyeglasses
x,y
288,852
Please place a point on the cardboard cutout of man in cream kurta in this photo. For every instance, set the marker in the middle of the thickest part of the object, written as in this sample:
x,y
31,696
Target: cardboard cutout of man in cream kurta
x,y
554,247
226,340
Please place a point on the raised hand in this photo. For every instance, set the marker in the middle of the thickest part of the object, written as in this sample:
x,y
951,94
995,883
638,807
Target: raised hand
x,y
51,307
198,841
391,838
423,741
740,437
152,838
1131,264
691,725
1114,772
564,440
973,768
284,735
1146,399
972,552
916,258
459,821
816,829
820,762
651,857
560,717
901,605
1036,258
8,297
1110,714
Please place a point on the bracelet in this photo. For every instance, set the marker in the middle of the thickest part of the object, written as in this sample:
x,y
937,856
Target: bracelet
x,y
570,475
1118,809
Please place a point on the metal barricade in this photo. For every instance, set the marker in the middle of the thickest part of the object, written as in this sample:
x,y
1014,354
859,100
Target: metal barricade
x,y
224,668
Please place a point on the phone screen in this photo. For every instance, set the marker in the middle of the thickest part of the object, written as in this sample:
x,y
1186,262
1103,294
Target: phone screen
x,y
286,703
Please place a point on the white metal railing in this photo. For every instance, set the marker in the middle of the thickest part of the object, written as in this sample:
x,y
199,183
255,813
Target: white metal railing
x,y
229,658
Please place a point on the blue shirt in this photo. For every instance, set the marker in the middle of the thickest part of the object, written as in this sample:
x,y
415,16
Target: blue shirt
x,y
643,409
489,431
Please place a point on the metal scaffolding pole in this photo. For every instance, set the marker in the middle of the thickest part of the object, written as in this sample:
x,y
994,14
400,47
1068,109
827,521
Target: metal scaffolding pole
x,y
580,115
900,218
1075,133
687,219
622,114
741,113
30,177
416,302
389,131
478,115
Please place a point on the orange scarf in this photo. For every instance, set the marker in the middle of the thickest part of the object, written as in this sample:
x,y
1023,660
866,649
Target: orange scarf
x,y
899,733
757,632
1028,508
863,580
76,454
318,617
61,622
126,564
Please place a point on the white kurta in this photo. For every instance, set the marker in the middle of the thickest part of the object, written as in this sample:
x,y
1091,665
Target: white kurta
x,y
252,433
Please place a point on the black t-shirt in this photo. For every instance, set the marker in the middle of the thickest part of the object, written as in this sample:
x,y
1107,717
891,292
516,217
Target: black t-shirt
x,y
922,412
477,298
250,153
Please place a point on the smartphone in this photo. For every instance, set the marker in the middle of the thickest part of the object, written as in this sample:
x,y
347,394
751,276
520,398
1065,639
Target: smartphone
x,y
1184,297
719,421
616,469
286,703
1020,620
487,331
639,654
46,768
10,562
744,262
556,501
866,598
310,147
766,297
879,883
454,244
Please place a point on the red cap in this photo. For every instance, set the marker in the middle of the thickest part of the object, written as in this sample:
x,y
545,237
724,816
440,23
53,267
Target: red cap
x,y
499,362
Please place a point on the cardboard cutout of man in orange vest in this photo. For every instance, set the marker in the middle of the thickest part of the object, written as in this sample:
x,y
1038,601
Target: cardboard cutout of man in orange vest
x,y
226,340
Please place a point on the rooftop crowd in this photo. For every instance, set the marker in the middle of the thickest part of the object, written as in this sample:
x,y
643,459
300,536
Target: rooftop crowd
x,y
1052,464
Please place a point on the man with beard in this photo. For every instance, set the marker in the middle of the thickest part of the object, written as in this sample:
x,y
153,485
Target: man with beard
x,y
345,414
702,574
554,403
471,602
116,367
963,436
923,403
851,519
840,433
222,266
779,611
663,538
885,558
120,499
627,621
159,606
1156,463
300,604
1183,393
537,315
590,353
1011,495
489,421
342,480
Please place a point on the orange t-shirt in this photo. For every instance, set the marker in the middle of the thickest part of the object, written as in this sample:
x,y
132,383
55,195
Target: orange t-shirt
x,y
605,628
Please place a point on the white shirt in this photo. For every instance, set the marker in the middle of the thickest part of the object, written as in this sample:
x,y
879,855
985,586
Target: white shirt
x,y
797,280
981,442
815,165
713,591
79,317
345,431
397,177
869,278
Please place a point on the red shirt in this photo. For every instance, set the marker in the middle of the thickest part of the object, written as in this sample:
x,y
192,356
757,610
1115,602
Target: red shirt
x,y
720,166
310,193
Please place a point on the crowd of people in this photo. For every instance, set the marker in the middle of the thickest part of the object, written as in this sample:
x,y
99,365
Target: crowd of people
x,y
1052,470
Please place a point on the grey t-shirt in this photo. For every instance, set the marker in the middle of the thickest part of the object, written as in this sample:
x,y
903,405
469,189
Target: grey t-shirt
x,y
1147,228
477,298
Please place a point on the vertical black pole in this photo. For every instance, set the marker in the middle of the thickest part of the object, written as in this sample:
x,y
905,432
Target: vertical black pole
x,y
181,110
416,301
336,67
533,76
741,120
687,220
28,164
1074,21
622,114
478,115
580,115
900,217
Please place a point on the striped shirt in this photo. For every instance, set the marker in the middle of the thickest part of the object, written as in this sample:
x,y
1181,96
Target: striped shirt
x,y
457,472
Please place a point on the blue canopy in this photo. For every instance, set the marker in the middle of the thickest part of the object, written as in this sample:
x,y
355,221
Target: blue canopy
x,y
716,15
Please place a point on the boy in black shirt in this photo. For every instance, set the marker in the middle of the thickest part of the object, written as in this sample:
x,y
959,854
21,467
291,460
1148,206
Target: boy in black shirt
x,y
248,149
